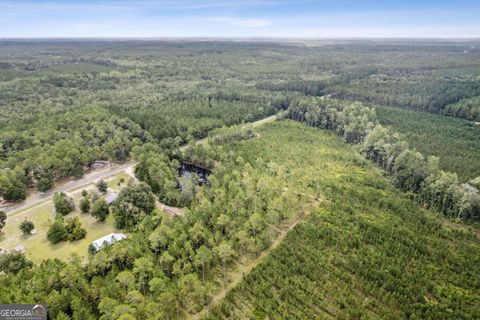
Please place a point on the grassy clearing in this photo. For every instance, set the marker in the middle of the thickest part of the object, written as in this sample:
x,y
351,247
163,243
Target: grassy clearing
x,y
37,247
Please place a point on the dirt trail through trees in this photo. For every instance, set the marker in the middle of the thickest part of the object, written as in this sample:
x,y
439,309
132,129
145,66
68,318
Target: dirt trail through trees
x,y
243,270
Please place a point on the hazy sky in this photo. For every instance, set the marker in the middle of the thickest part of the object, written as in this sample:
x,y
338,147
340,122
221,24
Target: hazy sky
x,y
250,18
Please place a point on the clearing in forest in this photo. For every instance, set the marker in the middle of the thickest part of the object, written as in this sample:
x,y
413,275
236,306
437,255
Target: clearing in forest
x,y
37,247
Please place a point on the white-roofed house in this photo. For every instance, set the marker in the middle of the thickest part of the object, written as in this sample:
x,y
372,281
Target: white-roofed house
x,y
109,239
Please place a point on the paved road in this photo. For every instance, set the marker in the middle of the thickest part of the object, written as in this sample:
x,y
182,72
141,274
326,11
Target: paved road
x,y
37,198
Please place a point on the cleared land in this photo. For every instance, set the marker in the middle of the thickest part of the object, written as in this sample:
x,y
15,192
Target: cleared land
x,y
37,247
37,198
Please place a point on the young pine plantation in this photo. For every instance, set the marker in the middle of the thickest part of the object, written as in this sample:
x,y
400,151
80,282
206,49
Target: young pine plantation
x,y
368,251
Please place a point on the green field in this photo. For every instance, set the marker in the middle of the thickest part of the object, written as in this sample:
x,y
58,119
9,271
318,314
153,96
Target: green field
x,y
368,252
455,141
37,247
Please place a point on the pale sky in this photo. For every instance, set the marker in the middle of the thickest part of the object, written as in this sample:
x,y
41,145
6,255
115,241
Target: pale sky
x,y
250,18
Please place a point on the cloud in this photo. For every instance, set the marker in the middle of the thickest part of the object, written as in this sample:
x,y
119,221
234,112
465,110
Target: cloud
x,y
17,6
248,18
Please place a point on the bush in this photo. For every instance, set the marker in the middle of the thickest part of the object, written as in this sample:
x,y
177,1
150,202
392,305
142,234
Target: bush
x,y
57,232
26,226
91,249
100,209
102,186
85,205
74,229
3,219
70,230
63,203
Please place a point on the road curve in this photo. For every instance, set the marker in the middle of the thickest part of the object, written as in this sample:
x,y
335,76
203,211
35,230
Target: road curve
x,y
37,198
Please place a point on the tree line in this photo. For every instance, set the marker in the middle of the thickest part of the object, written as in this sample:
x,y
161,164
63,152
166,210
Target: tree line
x,y
443,96
62,146
410,170
455,141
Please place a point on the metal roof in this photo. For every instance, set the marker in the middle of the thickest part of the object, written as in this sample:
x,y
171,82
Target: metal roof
x,y
111,197
108,239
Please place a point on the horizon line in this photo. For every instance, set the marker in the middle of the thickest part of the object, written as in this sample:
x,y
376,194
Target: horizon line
x,y
120,38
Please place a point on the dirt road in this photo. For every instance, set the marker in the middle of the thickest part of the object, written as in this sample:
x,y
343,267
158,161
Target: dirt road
x,y
36,197
243,270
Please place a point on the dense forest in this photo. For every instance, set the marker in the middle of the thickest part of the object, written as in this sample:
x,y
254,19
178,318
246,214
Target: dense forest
x,y
410,170
455,141
172,92
386,227
168,266
368,252
415,91
63,145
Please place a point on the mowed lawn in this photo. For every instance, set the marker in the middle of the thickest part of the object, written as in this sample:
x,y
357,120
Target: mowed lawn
x,y
37,246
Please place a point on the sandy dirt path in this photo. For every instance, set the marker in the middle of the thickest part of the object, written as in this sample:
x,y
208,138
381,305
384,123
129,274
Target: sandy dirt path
x,y
36,198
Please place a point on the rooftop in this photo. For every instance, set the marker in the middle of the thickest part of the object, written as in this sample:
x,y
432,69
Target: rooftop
x,y
110,198
108,239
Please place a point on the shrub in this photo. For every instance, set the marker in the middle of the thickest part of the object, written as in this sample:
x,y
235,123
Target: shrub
x,y
3,219
74,229
100,209
85,205
102,186
57,232
26,226
63,203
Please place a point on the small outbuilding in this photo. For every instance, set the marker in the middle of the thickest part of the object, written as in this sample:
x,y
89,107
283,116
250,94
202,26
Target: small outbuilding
x,y
99,164
106,240
20,248
111,197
